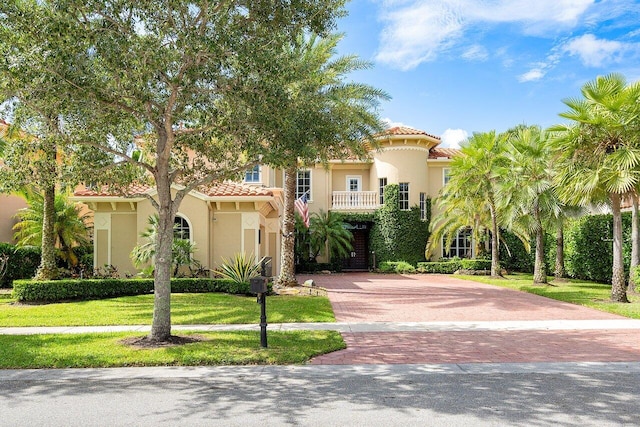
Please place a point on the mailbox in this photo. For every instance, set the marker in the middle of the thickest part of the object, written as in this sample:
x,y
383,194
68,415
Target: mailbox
x,y
258,285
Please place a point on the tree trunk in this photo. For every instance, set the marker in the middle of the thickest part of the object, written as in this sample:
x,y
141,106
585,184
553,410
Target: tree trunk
x,y
495,239
559,272
618,288
48,269
635,243
161,326
539,269
287,275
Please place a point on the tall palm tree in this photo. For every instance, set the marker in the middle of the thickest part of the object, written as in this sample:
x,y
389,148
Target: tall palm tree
x,y
474,188
529,189
598,159
320,116
70,225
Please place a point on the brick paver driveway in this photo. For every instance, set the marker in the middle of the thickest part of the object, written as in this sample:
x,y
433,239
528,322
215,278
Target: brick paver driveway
x,y
500,325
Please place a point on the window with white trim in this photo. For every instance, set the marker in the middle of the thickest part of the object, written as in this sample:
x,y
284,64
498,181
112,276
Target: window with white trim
x,y
382,182
253,174
423,206
181,228
403,196
303,183
461,245
445,176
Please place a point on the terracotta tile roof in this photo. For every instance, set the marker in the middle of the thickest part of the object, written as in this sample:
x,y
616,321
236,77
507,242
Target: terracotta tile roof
x,y
235,189
405,130
436,152
133,190
225,189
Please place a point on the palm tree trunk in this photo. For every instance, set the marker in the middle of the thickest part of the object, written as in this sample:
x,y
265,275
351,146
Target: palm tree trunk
x,y
559,272
48,269
635,242
539,270
618,288
495,239
287,275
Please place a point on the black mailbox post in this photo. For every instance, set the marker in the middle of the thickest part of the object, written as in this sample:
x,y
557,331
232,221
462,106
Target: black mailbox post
x,y
259,286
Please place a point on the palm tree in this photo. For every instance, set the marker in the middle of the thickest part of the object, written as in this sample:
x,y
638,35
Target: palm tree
x,y
598,158
181,250
529,189
70,225
329,235
474,189
319,117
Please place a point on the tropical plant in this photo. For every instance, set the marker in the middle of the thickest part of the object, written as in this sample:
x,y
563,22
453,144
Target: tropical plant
x,y
181,250
473,191
241,268
328,235
598,155
320,116
70,225
529,191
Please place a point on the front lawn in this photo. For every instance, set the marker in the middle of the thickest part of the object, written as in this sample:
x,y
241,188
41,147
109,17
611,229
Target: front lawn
x,y
218,348
589,294
186,309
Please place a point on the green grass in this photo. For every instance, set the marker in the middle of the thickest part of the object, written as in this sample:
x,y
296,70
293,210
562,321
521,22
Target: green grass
x,y
589,294
186,309
107,350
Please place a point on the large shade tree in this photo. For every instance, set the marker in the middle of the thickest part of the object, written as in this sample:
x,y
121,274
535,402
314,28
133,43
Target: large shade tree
x,y
171,71
598,158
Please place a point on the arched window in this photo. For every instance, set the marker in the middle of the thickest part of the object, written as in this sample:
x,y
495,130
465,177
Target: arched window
x,y
181,228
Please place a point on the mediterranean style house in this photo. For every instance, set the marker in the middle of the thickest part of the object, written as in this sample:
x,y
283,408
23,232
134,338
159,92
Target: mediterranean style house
x,y
245,217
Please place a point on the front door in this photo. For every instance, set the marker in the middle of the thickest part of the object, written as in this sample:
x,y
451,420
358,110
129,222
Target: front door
x,y
358,258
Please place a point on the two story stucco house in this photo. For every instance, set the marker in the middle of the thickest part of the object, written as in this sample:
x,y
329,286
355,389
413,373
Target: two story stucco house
x,y
246,216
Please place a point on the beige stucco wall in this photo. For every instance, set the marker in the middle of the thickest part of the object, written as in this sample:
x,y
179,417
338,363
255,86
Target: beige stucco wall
x,y
225,237
9,205
403,164
123,240
436,182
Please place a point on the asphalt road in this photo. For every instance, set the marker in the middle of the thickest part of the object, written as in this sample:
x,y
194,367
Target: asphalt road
x,y
552,394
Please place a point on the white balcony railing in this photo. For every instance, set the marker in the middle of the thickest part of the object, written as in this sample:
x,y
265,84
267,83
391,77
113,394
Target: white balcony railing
x,y
354,200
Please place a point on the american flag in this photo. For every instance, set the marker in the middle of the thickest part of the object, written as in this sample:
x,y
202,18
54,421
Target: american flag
x,y
303,208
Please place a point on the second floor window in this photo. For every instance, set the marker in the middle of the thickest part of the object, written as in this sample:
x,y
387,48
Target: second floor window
x,y
252,175
445,176
303,183
423,206
382,182
403,196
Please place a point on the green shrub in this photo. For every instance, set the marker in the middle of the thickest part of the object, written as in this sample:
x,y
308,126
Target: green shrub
x,y
60,290
241,268
475,264
401,267
314,267
589,248
445,267
22,262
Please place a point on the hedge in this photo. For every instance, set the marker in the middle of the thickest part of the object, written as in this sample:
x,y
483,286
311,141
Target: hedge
x,y
396,267
23,262
450,267
74,289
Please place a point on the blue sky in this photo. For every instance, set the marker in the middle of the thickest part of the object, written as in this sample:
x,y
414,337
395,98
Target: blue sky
x,y
454,67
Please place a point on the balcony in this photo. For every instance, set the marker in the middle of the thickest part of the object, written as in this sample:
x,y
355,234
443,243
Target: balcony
x,y
354,200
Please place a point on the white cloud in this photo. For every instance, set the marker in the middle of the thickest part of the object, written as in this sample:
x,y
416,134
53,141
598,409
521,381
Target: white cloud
x,y
594,52
476,53
532,75
391,124
417,31
451,138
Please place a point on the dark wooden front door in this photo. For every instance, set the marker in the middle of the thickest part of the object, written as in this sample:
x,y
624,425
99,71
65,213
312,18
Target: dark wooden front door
x,y
359,257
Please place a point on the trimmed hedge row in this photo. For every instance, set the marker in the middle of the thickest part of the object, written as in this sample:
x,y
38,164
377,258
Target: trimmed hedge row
x,y
60,290
396,267
450,267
